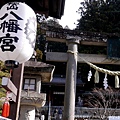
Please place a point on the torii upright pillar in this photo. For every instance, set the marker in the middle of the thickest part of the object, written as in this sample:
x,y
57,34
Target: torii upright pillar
x,y
71,75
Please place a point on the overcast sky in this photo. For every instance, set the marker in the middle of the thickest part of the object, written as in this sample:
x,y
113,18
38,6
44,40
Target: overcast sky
x,y
70,16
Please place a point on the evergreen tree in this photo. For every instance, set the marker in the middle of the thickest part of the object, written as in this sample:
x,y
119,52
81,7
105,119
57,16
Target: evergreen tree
x,y
99,16
41,44
53,23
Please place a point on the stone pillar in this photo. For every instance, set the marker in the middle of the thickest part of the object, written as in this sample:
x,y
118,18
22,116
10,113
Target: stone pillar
x,y
30,115
70,85
27,113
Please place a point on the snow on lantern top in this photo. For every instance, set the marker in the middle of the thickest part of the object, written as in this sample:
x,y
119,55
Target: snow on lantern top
x,y
18,26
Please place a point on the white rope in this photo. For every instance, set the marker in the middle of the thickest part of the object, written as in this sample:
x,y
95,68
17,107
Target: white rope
x,y
70,51
115,73
95,67
101,69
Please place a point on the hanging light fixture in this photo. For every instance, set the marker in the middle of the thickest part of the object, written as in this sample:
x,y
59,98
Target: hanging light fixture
x,y
18,26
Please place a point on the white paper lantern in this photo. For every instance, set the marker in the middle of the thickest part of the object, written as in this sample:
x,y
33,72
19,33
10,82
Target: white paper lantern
x,y
18,26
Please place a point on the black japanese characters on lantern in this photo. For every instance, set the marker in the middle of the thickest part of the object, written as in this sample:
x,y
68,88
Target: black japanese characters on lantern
x,y
7,42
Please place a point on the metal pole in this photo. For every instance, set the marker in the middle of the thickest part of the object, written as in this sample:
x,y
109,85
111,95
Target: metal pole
x,y
70,85
49,104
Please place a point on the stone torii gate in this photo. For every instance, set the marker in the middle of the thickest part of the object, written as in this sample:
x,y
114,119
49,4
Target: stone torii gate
x,y
70,85
71,57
